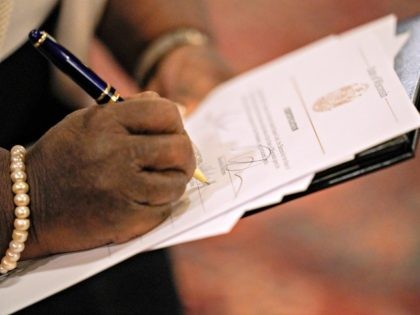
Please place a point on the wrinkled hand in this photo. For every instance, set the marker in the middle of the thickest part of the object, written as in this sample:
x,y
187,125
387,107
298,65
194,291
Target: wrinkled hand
x,y
106,174
188,73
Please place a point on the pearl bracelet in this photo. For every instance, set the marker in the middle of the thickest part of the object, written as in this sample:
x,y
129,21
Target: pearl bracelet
x,y
21,201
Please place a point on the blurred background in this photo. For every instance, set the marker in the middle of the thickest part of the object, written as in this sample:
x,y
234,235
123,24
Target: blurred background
x,y
351,249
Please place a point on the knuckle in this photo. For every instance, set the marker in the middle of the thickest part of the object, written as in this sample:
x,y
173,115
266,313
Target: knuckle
x,y
168,191
189,155
172,115
149,94
151,190
158,199
184,146
176,187
177,149
137,150
179,187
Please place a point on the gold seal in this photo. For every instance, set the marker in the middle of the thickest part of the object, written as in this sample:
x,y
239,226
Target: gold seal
x,y
343,95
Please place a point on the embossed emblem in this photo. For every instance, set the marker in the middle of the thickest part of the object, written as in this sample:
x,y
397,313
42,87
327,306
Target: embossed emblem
x,y
343,95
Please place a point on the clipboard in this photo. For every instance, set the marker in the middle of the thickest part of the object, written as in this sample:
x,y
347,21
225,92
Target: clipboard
x,y
407,67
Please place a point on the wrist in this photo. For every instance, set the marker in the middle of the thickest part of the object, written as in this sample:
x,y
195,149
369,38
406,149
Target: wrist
x,y
163,46
6,201
33,247
21,201
188,73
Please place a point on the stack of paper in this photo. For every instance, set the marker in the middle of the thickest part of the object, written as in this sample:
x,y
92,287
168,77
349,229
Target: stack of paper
x,y
261,136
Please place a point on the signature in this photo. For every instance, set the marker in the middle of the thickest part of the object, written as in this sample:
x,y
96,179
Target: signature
x,y
243,159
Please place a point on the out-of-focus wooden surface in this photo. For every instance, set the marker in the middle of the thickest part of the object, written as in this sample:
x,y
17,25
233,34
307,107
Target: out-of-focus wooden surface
x,y
351,249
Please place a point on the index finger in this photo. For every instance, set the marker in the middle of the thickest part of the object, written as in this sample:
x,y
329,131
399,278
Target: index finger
x,y
147,115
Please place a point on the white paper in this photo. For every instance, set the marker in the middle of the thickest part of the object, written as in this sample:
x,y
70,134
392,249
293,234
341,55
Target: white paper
x,y
224,223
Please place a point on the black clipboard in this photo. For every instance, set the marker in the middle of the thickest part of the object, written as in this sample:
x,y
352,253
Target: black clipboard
x,y
407,67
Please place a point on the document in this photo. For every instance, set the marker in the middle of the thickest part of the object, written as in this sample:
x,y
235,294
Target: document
x,y
384,31
260,136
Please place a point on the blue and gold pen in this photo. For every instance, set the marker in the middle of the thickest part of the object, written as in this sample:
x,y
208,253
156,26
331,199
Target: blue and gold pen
x,y
88,80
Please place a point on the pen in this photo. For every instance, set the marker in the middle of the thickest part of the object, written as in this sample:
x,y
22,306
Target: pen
x,y
98,89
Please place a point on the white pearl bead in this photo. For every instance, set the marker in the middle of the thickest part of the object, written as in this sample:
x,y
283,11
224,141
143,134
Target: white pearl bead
x,y
16,158
12,256
22,212
20,236
18,154
16,246
20,187
21,224
8,264
21,200
17,166
3,270
18,176
17,149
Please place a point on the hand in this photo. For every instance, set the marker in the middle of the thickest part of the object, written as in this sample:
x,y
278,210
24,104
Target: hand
x,y
106,174
188,73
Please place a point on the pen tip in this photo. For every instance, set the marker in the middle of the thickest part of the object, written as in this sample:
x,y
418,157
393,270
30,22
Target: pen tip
x,y
198,174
